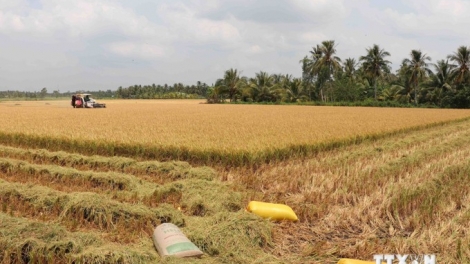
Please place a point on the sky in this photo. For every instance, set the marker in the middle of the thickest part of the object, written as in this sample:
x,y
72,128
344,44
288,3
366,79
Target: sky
x,y
91,45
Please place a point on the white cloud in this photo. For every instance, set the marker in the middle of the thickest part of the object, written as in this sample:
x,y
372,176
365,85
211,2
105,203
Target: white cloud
x,y
450,8
138,50
326,10
189,40
255,49
215,30
184,22
312,37
7,5
205,5
434,18
79,19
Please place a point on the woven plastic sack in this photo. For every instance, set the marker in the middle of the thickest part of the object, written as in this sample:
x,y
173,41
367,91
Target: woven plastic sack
x,y
170,241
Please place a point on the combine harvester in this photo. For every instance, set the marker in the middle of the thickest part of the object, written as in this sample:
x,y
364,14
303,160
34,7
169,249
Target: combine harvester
x,y
85,101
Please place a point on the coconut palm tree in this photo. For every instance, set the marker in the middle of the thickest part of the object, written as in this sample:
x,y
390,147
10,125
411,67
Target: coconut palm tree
x,y
231,83
308,71
294,91
392,93
461,58
277,78
349,68
328,59
417,68
375,65
403,79
307,76
327,64
316,53
262,87
310,76
440,81
215,95
321,65
443,76
280,84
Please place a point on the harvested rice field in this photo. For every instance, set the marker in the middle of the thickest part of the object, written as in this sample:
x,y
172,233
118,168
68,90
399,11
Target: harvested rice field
x,y
362,181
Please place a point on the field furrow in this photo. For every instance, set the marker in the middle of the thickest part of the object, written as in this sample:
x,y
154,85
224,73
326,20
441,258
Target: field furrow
x,y
382,150
27,241
160,172
21,170
84,210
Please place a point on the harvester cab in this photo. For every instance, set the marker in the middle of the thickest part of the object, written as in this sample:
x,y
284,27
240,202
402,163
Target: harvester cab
x,y
85,101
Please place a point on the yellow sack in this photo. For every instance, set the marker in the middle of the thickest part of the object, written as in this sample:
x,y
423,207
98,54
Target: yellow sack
x,y
272,211
355,261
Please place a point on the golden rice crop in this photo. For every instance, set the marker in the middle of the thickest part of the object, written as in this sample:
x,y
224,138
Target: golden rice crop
x,y
208,134
203,127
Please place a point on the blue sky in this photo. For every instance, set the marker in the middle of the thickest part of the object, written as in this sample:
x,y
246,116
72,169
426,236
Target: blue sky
x,y
71,45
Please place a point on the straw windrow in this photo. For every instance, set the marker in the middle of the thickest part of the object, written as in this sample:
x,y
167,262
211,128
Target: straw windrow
x,y
78,210
25,241
157,171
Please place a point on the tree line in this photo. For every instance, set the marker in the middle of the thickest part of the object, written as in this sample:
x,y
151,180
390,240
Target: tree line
x,y
176,91
327,79
44,93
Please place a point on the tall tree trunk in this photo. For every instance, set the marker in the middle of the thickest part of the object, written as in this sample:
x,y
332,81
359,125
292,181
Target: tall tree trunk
x,y
375,89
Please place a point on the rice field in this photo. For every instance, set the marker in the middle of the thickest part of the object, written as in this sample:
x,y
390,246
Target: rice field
x,y
358,190
208,134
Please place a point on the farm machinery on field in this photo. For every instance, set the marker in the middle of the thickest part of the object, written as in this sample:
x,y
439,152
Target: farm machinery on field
x,y
85,101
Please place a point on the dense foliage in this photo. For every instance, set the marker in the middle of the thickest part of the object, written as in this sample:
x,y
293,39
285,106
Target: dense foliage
x,y
176,91
327,79
10,94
